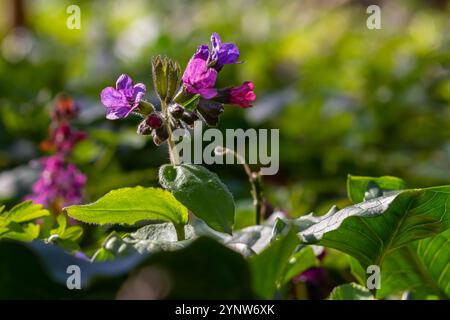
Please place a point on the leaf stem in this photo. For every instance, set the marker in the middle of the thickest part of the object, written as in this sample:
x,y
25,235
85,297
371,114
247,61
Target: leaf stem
x,y
179,228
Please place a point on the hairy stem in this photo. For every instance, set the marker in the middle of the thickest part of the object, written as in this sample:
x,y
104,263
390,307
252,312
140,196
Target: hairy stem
x,y
253,177
173,155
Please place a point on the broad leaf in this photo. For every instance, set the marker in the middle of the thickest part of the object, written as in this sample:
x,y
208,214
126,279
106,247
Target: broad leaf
x,y
422,267
371,230
202,192
268,266
301,260
350,291
130,205
203,270
364,188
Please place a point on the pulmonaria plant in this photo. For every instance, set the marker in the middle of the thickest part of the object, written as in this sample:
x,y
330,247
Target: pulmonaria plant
x,y
184,98
60,183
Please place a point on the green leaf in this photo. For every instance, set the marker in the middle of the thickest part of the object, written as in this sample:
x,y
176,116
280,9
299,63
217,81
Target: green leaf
x,y
358,188
202,192
158,237
371,230
300,261
268,266
25,211
15,231
203,270
422,267
350,291
130,205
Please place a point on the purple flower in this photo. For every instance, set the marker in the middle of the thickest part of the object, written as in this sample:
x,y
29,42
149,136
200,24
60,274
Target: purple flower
x,y
122,100
223,53
59,184
198,78
220,54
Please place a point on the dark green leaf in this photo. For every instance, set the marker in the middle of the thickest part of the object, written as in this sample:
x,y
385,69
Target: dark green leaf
x,y
202,192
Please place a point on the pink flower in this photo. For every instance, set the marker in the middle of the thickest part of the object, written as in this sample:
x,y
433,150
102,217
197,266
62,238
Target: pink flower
x,y
243,95
199,79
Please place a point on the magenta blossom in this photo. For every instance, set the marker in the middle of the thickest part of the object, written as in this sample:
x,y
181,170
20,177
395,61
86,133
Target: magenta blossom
x,y
59,183
198,78
243,95
122,100
64,138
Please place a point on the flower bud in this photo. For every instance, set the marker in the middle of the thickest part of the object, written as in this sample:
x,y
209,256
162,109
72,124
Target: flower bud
x,y
175,110
160,135
143,128
189,117
154,121
166,77
210,111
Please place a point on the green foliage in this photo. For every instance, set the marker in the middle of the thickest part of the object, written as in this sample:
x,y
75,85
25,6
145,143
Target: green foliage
x,y
130,205
268,266
214,272
350,291
363,188
421,267
202,192
371,230
17,223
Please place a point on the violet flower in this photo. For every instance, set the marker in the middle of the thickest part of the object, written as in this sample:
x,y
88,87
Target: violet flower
x,y
220,53
58,183
243,95
122,100
198,78
223,53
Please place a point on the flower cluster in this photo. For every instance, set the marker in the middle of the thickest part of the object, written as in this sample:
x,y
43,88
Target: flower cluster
x,y
60,183
185,97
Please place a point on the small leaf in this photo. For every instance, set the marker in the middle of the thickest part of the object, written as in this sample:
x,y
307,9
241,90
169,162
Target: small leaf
x,y
358,187
300,261
25,211
26,233
130,205
202,192
350,291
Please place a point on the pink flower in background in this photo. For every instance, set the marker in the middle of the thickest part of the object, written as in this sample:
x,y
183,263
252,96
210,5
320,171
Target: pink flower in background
x,y
58,183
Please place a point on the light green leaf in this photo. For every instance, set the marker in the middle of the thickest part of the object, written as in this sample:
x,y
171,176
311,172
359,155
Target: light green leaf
x,y
350,291
371,230
363,188
202,192
130,205
26,233
25,211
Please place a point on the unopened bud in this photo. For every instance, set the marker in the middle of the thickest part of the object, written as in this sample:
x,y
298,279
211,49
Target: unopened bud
x,y
176,110
160,135
144,129
189,117
154,121
210,111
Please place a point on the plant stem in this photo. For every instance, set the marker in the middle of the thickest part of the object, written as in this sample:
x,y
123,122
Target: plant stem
x,y
179,228
253,177
173,155
255,180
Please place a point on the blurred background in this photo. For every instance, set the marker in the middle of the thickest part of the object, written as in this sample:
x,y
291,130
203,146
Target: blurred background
x,y
347,100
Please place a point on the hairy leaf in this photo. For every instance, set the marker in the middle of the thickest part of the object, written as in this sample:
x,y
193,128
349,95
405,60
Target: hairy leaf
x,y
130,205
